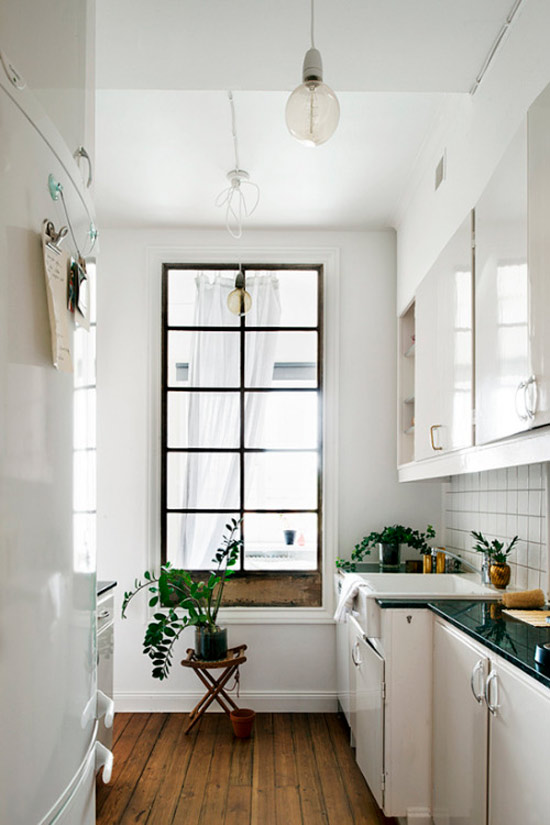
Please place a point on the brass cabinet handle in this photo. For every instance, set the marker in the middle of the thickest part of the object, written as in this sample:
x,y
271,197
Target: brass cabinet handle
x,y
432,428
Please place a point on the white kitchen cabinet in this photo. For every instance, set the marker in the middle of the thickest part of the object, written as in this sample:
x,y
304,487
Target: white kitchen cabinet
x,y
539,257
512,285
489,752
369,698
519,790
502,294
391,710
460,728
444,351
343,668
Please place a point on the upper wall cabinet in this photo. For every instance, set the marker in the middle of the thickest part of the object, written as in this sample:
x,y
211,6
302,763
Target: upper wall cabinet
x,y
512,285
538,394
444,351
502,292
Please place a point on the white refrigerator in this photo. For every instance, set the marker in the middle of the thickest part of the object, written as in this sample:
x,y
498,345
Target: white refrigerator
x,y
48,691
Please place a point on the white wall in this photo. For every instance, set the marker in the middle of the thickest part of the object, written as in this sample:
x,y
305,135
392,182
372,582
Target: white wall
x,y
291,665
474,133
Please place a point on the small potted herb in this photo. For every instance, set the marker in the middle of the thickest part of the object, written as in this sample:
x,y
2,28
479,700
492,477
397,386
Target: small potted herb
x,y
389,541
497,553
200,602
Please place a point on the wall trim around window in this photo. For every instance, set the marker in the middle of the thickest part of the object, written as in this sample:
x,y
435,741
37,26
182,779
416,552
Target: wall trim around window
x,y
329,257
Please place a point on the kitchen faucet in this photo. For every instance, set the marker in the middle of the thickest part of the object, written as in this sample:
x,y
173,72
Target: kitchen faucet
x,y
484,572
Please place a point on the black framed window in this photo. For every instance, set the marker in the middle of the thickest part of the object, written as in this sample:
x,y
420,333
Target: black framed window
x,y
242,416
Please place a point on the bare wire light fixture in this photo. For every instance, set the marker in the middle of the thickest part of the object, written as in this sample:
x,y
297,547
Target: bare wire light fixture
x,y
239,202
239,300
312,110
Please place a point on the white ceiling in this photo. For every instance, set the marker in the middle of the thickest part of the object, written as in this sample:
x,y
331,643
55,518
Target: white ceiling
x,y
163,124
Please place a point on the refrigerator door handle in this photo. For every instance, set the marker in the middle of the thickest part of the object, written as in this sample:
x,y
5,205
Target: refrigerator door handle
x,y
106,708
103,759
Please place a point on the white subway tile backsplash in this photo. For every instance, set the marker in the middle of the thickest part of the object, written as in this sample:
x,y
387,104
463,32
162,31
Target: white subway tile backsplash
x,y
535,500
502,504
512,478
523,477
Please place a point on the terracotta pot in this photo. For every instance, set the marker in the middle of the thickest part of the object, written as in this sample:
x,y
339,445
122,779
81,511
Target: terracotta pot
x,y
500,575
243,722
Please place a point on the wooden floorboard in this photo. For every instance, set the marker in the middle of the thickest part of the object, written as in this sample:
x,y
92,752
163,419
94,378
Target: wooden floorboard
x,y
296,769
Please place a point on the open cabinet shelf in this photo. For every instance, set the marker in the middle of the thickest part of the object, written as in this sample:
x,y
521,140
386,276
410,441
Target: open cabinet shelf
x,y
406,385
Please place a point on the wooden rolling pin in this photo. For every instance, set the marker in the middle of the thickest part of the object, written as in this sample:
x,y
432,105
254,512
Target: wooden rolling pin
x,y
524,598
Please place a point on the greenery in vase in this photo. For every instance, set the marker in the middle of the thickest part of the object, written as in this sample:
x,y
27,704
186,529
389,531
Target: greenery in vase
x,y
176,590
395,535
497,552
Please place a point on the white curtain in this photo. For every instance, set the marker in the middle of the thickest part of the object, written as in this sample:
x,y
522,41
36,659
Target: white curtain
x,y
211,480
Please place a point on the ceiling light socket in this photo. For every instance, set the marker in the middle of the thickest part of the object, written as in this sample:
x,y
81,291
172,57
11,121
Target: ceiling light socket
x,y
236,176
313,66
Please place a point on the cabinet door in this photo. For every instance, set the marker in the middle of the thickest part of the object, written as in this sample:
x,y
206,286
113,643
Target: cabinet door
x,y
343,667
502,298
370,718
519,790
444,350
459,730
539,257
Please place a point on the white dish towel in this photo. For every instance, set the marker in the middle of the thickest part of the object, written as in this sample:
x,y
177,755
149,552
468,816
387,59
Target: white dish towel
x,y
350,586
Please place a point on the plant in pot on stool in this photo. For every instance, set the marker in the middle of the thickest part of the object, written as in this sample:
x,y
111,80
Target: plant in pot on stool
x,y
388,541
497,553
200,601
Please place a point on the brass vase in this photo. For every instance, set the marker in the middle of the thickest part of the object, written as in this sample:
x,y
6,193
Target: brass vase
x,y
500,575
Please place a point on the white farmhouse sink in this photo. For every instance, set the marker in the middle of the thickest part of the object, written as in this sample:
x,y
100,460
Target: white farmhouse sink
x,y
413,587
420,586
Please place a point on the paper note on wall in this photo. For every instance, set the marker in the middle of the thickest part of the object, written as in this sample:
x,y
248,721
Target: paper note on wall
x,y
55,269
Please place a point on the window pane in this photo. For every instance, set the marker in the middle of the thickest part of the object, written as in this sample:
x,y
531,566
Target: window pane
x,y
297,291
203,359
281,420
84,425
193,538
203,480
213,286
281,359
281,481
280,542
204,419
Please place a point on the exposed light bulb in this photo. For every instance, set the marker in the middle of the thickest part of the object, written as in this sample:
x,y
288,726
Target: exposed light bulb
x,y
312,110
239,300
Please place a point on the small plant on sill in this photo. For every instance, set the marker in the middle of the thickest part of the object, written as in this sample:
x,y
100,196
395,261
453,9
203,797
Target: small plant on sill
x,y
394,535
176,590
495,550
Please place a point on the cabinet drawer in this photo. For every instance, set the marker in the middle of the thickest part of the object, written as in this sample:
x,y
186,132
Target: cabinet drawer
x,y
105,611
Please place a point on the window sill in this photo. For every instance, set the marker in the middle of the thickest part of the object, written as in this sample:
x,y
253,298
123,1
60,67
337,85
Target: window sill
x,y
275,615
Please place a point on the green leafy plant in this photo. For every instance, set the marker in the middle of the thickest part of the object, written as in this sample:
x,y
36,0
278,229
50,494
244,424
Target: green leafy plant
x,y
497,552
396,534
176,591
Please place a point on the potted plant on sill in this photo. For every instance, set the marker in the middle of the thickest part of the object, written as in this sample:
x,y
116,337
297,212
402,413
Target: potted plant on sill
x,y
388,541
176,591
497,553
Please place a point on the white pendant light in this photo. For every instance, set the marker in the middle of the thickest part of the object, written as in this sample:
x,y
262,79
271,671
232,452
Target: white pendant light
x,y
242,196
312,110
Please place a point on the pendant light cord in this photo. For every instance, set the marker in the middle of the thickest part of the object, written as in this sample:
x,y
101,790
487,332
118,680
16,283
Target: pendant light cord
x,y
234,129
312,24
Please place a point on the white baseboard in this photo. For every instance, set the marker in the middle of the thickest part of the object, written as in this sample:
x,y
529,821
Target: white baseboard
x,y
261,701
